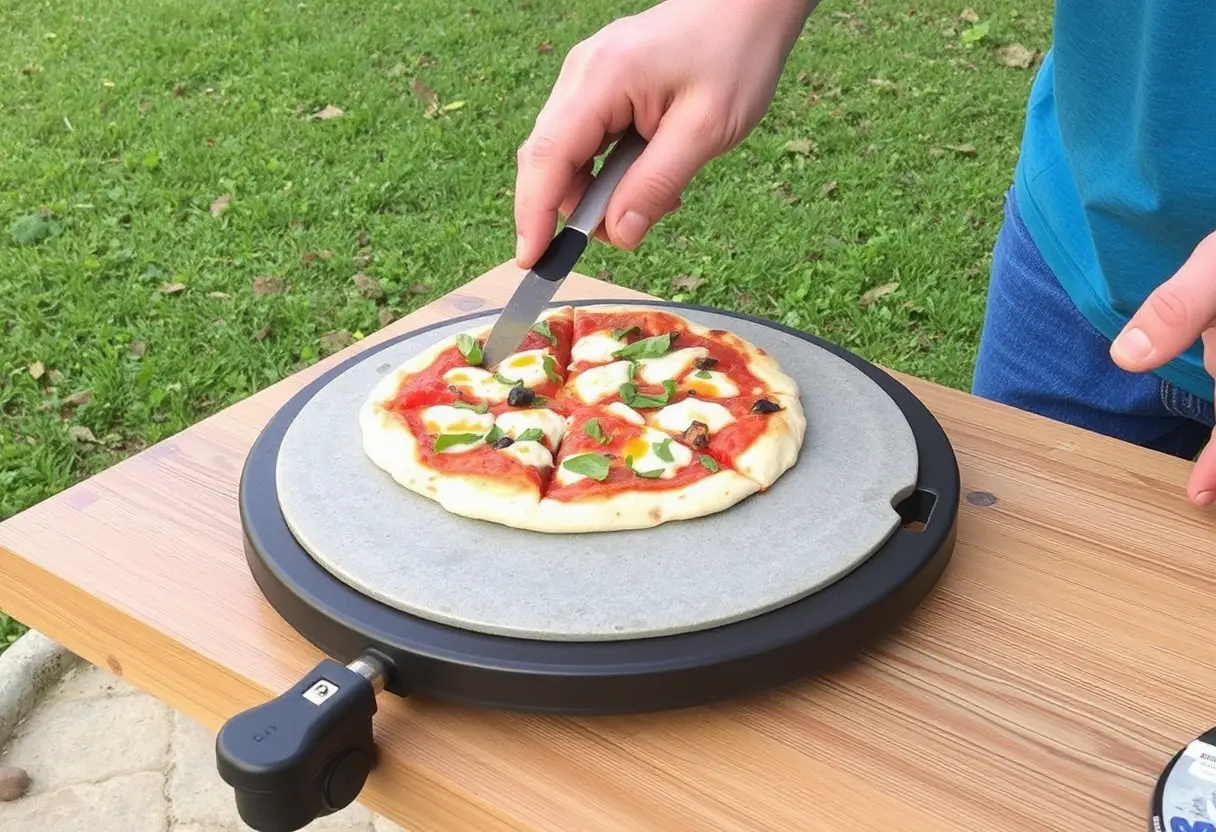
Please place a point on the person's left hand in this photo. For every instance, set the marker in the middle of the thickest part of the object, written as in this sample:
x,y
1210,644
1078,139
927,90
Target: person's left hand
x,y
1177,313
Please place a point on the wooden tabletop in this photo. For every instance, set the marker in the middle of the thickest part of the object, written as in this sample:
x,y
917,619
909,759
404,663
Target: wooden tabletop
x,y
1065,655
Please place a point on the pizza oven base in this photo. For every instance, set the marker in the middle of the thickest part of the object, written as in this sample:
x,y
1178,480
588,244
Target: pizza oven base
x,y
308,752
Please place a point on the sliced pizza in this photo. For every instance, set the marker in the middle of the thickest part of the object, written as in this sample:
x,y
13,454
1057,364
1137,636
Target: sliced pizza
x,y
605,418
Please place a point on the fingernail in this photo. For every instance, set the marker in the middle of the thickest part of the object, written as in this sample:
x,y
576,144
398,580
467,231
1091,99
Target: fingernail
x,y
1205,498
632,228
1133,346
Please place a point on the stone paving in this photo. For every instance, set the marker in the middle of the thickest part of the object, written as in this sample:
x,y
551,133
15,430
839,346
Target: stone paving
x,y
104,757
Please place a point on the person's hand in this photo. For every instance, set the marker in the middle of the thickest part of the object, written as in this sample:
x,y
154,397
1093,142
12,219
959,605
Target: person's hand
x,y
1171,319
693,76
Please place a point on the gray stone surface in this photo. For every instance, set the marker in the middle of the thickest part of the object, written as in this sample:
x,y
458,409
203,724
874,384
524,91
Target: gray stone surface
x,y
105,757
820,520
27,668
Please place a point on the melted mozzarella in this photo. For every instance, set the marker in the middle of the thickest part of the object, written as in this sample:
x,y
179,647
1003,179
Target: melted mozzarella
x,y
626,412
530,453
676,418
527,367
647,459
669,366
596,348
477,383
446,419
601,382
515,422
717,386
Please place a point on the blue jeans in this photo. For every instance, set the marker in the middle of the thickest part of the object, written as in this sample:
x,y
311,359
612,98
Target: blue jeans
x,y
1037,353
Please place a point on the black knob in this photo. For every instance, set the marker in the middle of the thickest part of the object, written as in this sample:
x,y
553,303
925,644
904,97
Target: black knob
x,y
305,754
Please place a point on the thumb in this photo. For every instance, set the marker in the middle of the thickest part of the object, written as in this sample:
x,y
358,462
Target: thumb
x,y
1173,317
651,188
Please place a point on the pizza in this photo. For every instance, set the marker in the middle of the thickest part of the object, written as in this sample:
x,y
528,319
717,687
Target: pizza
x,y
605,418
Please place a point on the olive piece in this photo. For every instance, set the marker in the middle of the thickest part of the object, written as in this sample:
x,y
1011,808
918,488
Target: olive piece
x,y
706,363
503,442
521,397
697,435
765,406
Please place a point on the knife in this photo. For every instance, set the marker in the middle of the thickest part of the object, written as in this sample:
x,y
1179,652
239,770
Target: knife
x,y
542,282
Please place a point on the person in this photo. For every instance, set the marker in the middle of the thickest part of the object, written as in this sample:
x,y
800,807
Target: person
x,y
1102,293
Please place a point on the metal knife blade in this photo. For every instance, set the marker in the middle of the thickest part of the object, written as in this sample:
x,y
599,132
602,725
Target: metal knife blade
x,y
541,283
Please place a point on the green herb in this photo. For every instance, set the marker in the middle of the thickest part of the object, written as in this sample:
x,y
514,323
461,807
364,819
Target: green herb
x,y
494,435
592,428
469,348
537,401
646,348
622,334
543,328
633,370
551,369
501,379
447,440
631,397
650,475
476,408
594,466
709,462
531,435
702,374
663,450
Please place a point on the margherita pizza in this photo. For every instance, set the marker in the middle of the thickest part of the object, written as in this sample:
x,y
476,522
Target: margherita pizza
x,y
605,418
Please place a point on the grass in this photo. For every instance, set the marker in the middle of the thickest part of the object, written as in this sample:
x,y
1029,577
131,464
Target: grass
x,y
863,208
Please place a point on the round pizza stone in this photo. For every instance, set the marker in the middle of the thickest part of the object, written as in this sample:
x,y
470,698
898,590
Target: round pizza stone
x,y
821,519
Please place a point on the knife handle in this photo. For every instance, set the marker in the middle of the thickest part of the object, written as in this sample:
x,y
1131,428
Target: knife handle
x,y
590,211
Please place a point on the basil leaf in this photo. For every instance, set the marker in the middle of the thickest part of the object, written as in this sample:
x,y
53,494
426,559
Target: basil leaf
x,y
702,374
476,408
531,435
631,396
633,370
650,475
646,348
469,348
494,435
622,334
709,462
447,440
592,428
501,379
594,466
550,366
663,450
543,328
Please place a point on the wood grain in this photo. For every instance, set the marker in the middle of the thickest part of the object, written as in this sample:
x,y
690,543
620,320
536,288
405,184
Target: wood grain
x,y
1062,659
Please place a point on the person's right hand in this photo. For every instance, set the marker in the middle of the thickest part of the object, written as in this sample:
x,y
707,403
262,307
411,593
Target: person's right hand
x,y
693,76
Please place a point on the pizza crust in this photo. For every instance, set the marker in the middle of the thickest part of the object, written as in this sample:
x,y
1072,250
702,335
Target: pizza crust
x,y
777,449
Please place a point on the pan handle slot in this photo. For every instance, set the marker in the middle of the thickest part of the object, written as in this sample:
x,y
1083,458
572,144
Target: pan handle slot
x,y
916,509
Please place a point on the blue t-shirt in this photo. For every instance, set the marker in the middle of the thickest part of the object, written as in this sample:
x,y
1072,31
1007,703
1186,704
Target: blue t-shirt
x,y
1117,175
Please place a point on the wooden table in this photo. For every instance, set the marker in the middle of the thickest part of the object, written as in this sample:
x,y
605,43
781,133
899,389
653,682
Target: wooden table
x,y
1064,656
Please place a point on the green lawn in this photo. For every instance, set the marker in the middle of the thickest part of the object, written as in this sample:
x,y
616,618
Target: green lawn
x,y
863,208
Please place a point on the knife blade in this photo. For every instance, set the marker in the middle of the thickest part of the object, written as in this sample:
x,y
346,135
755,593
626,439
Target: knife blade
x,y
541,283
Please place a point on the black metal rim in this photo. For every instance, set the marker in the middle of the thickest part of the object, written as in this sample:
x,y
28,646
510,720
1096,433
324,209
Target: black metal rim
x,y
643,674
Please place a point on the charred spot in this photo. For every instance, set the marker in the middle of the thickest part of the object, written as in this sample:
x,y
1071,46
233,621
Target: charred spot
x,y
454,390
718,333
521,397
765,406
697,435
654,513
675,335
503,442
706,363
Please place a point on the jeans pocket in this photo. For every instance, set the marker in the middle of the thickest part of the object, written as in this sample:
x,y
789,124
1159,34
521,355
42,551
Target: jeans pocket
x,y
1179,402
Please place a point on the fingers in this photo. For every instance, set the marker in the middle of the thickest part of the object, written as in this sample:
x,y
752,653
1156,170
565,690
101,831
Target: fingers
x,y
683,143
1173,317
1202,485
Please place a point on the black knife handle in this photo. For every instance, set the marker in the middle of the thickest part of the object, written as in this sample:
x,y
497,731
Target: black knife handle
x,y
562,254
